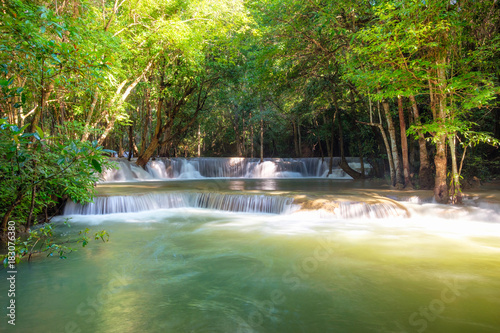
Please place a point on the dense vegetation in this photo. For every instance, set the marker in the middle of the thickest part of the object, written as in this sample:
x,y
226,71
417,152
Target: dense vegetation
x,y
414,84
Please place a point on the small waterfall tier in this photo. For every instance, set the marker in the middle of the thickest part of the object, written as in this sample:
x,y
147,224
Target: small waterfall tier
x,y
233,167
152,201
341,209
355,210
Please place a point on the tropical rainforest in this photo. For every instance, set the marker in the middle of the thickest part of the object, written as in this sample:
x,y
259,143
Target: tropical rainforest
x,y
412,87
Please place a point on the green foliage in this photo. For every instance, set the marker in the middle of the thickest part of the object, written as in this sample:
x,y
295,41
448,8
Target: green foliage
x,y
43,240
84,237
463,129
51,168
118,72
480,167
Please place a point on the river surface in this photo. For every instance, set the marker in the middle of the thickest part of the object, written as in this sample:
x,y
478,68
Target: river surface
x,y
191,269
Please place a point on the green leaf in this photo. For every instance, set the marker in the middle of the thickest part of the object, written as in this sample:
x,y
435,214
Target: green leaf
x,y
40,132
24,127
96,165
56,58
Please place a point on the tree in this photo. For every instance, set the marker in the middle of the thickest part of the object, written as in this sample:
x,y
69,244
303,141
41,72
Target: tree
x,y
37,171
412,53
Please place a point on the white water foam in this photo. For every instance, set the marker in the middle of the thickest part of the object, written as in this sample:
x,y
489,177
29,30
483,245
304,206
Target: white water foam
x,y
424,224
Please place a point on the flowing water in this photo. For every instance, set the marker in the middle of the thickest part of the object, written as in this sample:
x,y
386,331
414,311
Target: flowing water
x,y
268,255
232,167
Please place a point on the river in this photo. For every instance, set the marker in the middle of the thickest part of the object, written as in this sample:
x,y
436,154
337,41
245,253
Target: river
x,y
280,254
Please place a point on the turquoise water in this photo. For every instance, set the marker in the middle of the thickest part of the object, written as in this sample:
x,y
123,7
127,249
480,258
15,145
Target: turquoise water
x,y
199,270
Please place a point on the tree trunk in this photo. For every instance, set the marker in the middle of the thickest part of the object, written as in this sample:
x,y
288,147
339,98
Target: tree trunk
x,y
425,172
387,149
332,140
496,111
120,146
252,135
330,144
146,121
149,152
243,137
300,138
86,133
295,139
404,144
319,141
392,169
321,151
361,161
237,137
456,192
123,98
130,141
166,130
343,162
394,147
440,186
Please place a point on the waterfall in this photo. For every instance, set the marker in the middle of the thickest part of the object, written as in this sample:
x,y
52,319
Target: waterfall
x,y
124,172
230,167
244,203
157,169
151,201
190,170
140,173
127,204
270,204
354,210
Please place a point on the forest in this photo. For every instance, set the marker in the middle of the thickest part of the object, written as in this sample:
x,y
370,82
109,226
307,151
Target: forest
x,y
411,87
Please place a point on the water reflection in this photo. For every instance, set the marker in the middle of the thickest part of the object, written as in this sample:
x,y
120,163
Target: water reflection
x,y
303,185
237,185
269,185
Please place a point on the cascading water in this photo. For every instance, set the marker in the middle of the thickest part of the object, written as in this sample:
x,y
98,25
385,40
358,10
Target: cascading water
x,y
349,260
125,172
214,167
152,201
272,204
128,204
157,170
363,210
